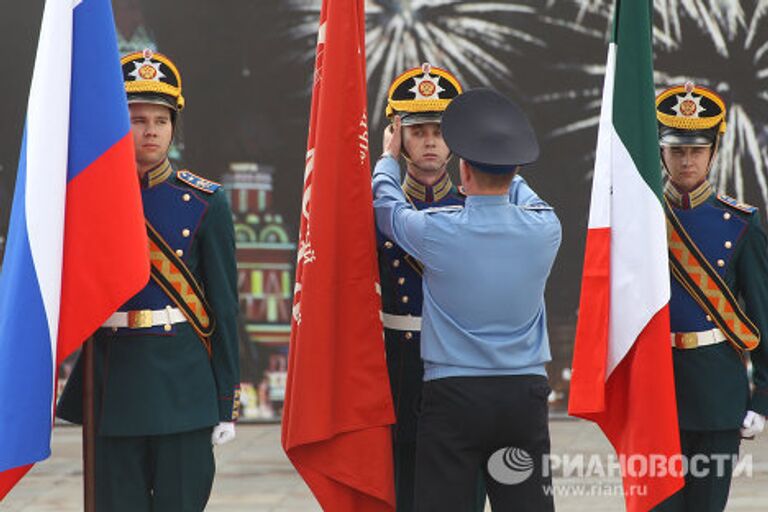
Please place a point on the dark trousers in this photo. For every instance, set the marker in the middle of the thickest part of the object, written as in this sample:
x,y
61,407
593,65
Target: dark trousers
x,y
405,465
406,379
705,493
470,424
169,473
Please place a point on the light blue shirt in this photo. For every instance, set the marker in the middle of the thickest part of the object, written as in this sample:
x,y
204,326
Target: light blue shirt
x,y
485,269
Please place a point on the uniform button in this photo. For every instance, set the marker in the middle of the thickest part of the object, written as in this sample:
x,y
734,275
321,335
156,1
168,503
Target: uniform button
x,y
401,280
179,253
408,335
720,263
728,244
388,244
185,233
709,318
396,263
405,299
727,215
186,198
167,327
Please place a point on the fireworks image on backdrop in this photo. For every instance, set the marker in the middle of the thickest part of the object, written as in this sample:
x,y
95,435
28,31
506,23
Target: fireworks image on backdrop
x,y
721,45
476,40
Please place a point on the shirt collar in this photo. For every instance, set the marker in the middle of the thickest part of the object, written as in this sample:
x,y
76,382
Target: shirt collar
x,y
426,193
686,201
478,200
157,174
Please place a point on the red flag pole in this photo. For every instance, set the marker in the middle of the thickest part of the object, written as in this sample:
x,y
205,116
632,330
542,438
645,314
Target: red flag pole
x,y
89,431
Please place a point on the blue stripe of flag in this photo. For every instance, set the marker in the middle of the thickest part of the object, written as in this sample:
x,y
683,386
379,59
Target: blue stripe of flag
x,y
26,365
98,115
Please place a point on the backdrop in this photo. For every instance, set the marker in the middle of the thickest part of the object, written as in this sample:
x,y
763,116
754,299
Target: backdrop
x,y
246,68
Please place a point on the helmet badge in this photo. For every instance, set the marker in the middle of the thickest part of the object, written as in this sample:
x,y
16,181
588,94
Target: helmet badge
x,y
147,69
688,105
426,86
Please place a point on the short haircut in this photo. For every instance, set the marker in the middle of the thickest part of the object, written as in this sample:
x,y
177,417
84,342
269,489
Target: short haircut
x,y
488,180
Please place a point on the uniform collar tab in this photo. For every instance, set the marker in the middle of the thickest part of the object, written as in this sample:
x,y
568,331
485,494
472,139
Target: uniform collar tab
x,y
157,174
692,199
426,193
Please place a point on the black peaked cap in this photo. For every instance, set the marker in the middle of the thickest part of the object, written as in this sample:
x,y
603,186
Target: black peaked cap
x,y
486,128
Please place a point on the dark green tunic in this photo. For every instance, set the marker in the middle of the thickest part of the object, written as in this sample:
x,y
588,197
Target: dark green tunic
x,y
157,393
149,381
712,382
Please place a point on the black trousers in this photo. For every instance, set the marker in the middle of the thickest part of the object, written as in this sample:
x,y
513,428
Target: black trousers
x,y
168,473
706,489
470,425
406,376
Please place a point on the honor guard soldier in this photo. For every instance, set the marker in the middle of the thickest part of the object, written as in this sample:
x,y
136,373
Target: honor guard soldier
x,y
484,338
166,373
419,96
719,302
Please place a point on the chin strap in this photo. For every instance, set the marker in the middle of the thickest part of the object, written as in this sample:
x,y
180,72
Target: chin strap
x,y
715,149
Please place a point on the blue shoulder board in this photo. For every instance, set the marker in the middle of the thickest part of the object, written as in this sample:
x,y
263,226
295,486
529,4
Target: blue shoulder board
x,y
536,207
742,207
448,208
195,181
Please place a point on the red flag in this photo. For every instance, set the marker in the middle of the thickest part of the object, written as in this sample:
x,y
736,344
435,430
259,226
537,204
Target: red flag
x,y
338,407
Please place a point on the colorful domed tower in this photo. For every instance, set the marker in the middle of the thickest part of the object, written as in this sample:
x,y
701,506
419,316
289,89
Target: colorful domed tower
x,y
265,265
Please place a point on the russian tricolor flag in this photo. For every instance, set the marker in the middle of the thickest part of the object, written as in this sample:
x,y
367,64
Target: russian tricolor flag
x,y
77,245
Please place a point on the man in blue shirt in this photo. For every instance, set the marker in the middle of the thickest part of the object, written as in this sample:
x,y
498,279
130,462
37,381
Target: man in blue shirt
x,y
484,336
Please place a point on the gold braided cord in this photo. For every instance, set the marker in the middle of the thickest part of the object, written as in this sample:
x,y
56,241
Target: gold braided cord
x,y
156,87
691,123
412,106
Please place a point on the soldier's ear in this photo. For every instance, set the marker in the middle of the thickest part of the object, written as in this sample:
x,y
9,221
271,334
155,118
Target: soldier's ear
x,y
464,172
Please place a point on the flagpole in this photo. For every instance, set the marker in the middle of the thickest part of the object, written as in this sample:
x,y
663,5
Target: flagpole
x,y
89,431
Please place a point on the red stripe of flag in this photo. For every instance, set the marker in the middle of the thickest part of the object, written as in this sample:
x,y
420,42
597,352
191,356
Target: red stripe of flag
x,y
106,256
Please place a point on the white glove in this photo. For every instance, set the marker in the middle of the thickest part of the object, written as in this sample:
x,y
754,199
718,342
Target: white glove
x,y
753,424
223,433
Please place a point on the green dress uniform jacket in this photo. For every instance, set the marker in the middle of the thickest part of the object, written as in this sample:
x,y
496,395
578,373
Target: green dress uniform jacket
x,y
712,386
711,380
160,380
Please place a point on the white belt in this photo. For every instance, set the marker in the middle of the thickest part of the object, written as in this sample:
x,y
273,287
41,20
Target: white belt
x,y
686,340
401,322
144,318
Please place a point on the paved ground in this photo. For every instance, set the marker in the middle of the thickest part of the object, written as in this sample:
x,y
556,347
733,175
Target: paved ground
x,y
254,475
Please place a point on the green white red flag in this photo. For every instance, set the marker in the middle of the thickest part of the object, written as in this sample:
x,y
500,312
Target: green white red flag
x,y
622,365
